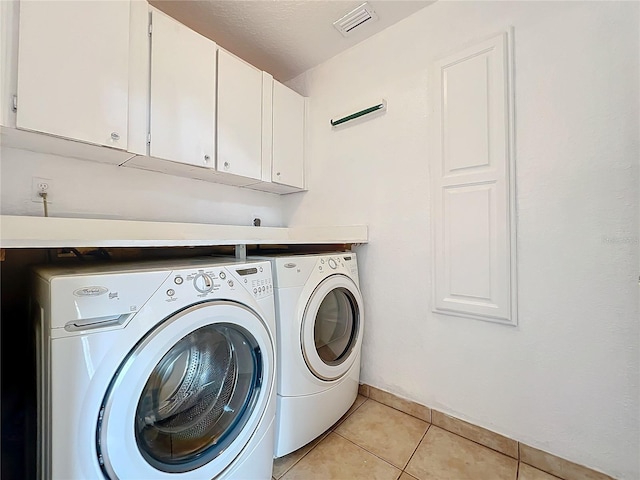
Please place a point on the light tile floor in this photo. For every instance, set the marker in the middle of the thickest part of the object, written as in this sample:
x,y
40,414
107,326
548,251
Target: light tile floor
x,y
376,442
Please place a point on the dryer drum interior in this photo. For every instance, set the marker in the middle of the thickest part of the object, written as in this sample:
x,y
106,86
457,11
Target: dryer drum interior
x,y
336,326
197,397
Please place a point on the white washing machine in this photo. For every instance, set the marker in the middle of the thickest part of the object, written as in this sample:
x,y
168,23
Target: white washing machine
x,y
320,316
161,370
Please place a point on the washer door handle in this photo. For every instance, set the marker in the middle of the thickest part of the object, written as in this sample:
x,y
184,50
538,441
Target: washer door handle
x,y
96,322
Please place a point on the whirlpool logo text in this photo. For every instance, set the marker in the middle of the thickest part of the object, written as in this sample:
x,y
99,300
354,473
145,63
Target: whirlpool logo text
x,y
93,291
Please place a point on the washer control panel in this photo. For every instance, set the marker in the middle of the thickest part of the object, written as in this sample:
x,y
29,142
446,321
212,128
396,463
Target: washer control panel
x,y
220,280
257,278
203,282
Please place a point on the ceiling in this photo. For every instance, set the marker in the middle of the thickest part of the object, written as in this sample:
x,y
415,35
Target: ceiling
x,y
283,37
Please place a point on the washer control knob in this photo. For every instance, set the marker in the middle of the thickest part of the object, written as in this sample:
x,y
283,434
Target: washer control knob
x,y
332,263
203,283
178,280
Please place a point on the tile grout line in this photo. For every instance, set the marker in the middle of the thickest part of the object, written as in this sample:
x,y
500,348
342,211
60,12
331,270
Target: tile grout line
x,y
406,413
519,444
342,420
548,473
455,433
416,449
477,443
431,410
324,435
403,411
417,418
371,453
517,457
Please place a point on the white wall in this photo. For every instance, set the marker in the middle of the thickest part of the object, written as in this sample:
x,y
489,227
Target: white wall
x,y
88,189
566,379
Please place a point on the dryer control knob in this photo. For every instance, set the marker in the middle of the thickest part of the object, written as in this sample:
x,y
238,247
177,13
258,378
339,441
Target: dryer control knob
x,y
332,263
203,283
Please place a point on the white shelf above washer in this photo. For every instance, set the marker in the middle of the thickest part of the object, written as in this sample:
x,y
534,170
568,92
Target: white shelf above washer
x,y
56,232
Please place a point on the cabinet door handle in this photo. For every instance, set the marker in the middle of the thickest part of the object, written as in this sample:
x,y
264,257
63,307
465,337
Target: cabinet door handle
x,y
206,158
278,173
226,165
115,136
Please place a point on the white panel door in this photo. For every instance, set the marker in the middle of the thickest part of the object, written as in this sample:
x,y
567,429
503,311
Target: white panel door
x,y
473,184
288,136
239,117
183,100
73,70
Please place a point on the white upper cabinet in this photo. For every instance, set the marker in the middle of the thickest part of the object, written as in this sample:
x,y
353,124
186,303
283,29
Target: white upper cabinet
x,y
288,137
123,74
73,70
239,117
183,93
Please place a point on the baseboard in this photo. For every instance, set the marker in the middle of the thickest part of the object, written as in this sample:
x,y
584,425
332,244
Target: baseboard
x,y
539,459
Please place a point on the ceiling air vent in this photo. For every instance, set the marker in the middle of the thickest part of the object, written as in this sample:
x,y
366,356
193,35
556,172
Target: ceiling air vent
x,y
356,18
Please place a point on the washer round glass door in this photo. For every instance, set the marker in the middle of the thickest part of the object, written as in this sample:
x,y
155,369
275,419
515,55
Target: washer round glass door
x,y
188,396
332,327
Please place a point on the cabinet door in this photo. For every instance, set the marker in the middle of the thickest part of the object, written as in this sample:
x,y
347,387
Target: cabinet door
x,y
73,70
473,183
239,117
288,136
183,79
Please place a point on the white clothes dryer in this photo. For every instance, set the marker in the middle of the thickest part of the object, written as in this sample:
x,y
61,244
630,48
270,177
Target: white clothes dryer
x,y
320,319
156,370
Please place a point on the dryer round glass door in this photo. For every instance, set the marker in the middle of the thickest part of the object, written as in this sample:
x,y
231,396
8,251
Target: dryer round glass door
x,y
332,327
189,395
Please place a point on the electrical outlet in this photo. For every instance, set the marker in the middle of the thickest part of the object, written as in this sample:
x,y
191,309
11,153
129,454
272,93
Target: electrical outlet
x,y
40,185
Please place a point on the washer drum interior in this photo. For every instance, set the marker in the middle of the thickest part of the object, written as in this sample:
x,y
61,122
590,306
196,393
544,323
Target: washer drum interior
x,y
199,393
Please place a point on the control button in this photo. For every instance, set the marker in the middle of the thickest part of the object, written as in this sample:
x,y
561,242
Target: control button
x,y
255,290
230,282
245,280
260,268
322,261
223,275
171,292
320,268
203,283
332,263
178,280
